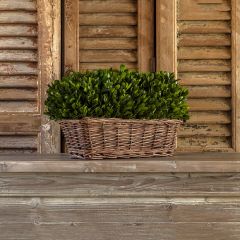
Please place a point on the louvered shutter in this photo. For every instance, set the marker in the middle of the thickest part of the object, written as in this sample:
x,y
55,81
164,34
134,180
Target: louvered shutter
x,y
204,66
23,74
102,34
195,37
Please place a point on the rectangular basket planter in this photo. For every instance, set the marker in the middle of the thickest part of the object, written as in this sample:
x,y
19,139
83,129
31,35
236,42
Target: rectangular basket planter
x,y
99,138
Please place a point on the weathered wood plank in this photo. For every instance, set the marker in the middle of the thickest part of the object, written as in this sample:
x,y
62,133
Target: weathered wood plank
x,y
205,40
211,104
204,66
204,10
102,231
203,27
18,56
18,43
108,43
15,5
145,35
108,31
210,117
204,53
203,143
166,35
49,26
18,107
118,210
214,162
18,68
21,17
18,142
122,185
203,78
19,30
235,74
18,81
209,92
108,56
111,6
19,123
71,36
94,66
108,19
198,130
18,94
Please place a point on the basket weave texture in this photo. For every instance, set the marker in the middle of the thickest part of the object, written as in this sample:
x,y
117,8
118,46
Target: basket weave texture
x,y
99,138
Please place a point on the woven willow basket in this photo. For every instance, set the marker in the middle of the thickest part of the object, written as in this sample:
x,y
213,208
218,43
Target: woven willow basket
x,y
97,138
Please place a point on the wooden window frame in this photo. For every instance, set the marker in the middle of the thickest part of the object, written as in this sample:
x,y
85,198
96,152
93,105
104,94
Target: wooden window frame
x,y
166,28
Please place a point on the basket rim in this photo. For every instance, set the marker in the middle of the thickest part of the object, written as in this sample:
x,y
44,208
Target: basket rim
x,y
121,120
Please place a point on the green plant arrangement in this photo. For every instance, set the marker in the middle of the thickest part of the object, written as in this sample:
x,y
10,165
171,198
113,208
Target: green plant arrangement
x,y
117,94
118,113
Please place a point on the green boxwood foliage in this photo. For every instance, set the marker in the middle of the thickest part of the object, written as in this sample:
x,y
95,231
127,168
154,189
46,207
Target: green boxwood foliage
x,y
117,94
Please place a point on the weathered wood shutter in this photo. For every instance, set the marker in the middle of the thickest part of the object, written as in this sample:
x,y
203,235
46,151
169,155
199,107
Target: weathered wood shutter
x,y
102,34
201,54
204,65
26,67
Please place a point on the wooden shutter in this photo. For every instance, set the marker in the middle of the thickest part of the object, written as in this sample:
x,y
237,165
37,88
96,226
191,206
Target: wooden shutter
x,y
26,67
204,65
102,34
197,37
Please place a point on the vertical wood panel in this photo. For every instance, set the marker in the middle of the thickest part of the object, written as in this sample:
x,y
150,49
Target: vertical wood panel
x,y
71,35
145,35
236,73
166,30
49,13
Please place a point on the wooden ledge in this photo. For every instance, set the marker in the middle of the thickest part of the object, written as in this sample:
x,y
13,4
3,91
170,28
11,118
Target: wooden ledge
x,y
62,163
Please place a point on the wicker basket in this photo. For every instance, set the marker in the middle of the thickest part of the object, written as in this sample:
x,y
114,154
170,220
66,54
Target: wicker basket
x,y
97,138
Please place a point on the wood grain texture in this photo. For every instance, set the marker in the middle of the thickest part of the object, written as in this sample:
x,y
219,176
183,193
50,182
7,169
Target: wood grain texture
x,y
117,210
198,162
236,73
125,186
29,60
50,69
194,202
101,231
106,34
205,67
146,35
166,35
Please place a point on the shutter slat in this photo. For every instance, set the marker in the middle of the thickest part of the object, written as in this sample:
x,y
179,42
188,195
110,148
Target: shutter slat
x,y
205,79
108,32
219,130
18,107
18,94
108,56
18,5
205,40
111,6
204,27
204,53
18,56
204,65
104,19
18,17
108,43
209,92
18,30
18,81
19,123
